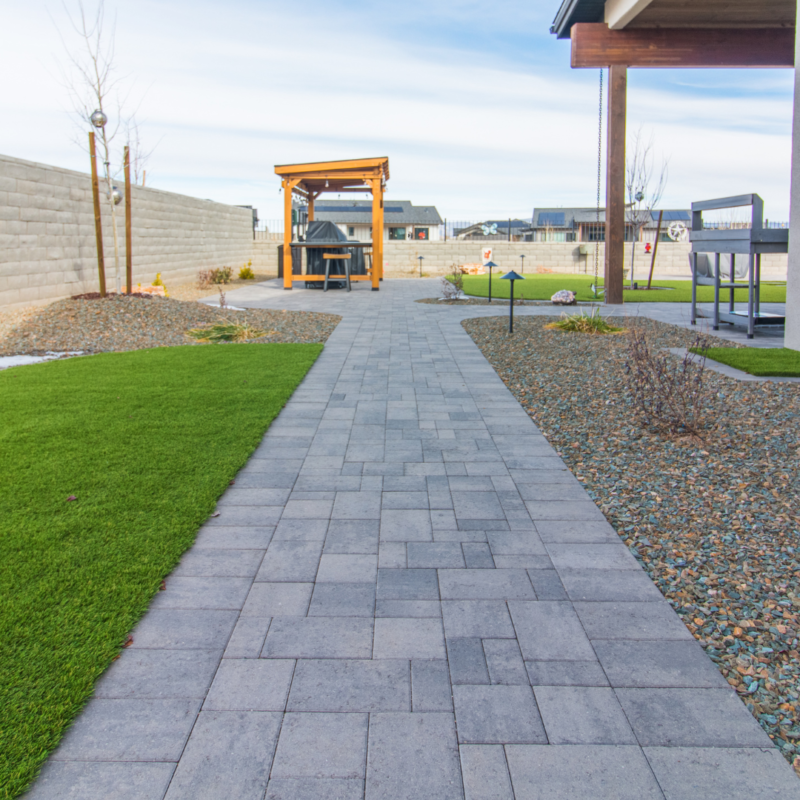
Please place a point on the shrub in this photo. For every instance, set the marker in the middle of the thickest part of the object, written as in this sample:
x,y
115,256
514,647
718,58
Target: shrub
x,y
666,394
584,323
214,277
226,332
453,286
246,273
159,282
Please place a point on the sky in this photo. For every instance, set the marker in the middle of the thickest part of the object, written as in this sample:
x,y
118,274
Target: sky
x,y
474,103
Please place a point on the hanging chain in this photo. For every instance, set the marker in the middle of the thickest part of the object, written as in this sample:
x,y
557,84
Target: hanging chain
x,y
599,174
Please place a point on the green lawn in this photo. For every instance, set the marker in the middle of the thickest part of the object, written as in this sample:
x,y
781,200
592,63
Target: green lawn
x,y
543,287
775,362
146,441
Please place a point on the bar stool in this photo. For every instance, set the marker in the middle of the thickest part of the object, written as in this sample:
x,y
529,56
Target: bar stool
x,y
328,257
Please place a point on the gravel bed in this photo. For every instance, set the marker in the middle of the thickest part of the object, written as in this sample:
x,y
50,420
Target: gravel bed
x,y
132,323
715,522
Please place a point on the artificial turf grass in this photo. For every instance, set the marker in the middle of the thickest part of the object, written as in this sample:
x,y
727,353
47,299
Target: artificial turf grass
x,y
778,362
146,441
543,287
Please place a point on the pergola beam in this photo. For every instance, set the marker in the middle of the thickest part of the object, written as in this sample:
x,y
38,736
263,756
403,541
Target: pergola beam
x,y
595,45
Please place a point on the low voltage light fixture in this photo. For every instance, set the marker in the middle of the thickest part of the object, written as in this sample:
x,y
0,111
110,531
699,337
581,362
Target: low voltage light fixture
x,y
511,276
490,265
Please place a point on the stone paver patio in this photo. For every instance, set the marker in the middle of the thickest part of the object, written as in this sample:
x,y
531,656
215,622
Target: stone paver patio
x,y
406,595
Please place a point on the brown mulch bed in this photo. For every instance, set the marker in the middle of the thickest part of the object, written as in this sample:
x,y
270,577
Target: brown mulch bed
x,y
120,323
714,521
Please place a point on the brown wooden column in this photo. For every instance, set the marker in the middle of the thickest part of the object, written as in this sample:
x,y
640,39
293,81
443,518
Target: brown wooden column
x,y
377,232
287,234
311,199
615,185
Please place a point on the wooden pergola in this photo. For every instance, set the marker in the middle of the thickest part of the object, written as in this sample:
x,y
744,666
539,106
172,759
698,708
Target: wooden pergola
x,y
309,181
619,34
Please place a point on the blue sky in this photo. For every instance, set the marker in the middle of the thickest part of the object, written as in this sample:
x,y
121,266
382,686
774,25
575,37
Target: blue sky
x,y
473,102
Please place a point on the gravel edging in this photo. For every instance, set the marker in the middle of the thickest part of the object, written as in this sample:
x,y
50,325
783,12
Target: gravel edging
x,y
122,323
716,524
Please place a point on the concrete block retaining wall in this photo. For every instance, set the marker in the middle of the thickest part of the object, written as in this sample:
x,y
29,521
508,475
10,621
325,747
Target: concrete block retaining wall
x,y
47,241
439,258
47,234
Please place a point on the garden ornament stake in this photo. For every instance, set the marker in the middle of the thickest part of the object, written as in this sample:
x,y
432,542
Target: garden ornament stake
x,y
511,276
490,265
420,264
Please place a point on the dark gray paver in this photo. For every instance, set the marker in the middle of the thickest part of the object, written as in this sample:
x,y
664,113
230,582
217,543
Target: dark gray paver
x,y
430,686
412,538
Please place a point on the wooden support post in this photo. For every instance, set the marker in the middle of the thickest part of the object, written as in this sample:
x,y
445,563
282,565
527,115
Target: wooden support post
x,y
287,234
311,199
377,233
615,185
128,227
98,226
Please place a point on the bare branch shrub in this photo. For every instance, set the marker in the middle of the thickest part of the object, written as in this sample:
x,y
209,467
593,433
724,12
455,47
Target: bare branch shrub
x,y
453,286
666,394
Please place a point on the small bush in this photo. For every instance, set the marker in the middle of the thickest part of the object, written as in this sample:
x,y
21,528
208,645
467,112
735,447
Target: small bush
x,y
159,282
214,277
227,332
584,323
246,273
666,394
453,286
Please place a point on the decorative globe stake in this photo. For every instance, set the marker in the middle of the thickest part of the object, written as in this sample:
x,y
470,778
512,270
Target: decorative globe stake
x,y
511,276
490,265
98,118
116,196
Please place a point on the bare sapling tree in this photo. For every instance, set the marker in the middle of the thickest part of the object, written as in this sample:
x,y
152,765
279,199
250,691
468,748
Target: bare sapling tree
x,y
645,183
138,155
93,86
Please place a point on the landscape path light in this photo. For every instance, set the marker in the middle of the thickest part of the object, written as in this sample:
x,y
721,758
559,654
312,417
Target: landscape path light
x,y
490,265
522,261
511,276
420,264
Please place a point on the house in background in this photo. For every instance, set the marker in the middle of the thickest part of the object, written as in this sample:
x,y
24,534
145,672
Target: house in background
x,y
505,230
582,225
402,221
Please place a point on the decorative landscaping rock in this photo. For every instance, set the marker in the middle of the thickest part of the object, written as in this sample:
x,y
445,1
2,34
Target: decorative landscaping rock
x,y
715,521
564,298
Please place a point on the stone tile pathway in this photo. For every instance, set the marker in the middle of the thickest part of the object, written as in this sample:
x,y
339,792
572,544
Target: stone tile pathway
x,y
406,596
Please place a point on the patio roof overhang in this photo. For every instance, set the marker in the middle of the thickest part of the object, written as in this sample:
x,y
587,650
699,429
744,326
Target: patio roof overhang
x,y
665,34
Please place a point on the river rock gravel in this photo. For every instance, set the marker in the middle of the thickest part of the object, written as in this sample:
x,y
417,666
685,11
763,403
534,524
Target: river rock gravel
x,y
714,521
120,323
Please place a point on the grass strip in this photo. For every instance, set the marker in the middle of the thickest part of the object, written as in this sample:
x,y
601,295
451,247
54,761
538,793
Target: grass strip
x,y
543,287
777,362
146,441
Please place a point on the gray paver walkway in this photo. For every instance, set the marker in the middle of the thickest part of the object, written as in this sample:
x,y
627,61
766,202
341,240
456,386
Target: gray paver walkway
x,y
407,595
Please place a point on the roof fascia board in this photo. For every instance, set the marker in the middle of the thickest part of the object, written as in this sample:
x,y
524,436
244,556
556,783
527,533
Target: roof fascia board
x,y
618,13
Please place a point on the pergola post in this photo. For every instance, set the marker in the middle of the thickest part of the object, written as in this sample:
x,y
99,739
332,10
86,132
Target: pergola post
x,y
287,235
377,233
311,199
615,185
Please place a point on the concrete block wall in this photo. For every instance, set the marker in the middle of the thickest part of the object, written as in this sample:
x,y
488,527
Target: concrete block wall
x,y
559,257
47,234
